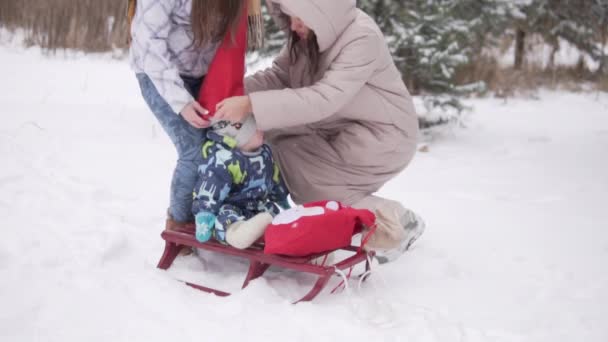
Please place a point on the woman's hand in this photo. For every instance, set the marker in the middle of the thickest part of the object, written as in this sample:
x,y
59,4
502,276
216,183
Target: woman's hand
x,y
234,109
193,112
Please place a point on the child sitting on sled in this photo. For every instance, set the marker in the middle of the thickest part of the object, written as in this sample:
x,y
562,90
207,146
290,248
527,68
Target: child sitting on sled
x,y
239,188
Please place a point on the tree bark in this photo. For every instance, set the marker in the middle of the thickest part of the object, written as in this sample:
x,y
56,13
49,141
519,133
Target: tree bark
x,y
520,48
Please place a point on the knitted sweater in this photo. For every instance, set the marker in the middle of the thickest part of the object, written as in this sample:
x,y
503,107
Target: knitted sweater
x,y
163,48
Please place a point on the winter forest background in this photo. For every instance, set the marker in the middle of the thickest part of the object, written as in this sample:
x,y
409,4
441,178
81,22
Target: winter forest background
x,y
445,49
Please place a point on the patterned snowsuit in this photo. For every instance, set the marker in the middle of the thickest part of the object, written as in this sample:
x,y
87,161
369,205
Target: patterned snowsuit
x,y
233,185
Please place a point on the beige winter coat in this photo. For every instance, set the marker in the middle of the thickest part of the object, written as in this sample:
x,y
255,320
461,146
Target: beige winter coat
x,y
345,131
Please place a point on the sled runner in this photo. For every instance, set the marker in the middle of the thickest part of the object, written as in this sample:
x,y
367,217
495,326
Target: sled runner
x,y
260,262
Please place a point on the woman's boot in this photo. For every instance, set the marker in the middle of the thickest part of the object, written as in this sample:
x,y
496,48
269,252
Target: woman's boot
x,y
172,225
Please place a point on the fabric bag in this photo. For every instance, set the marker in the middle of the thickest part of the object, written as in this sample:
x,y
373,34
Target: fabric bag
x,y
314,228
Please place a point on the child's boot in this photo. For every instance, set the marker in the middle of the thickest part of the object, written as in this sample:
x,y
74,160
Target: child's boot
x,y
204,226
243,234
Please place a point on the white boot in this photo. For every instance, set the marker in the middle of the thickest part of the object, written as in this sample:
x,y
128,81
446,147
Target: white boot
x,y
413,227
243,234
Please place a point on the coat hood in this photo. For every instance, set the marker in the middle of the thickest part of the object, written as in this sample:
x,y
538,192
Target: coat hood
x,y
327,18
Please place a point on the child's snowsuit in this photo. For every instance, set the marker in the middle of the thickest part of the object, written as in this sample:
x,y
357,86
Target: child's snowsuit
x,y
234,185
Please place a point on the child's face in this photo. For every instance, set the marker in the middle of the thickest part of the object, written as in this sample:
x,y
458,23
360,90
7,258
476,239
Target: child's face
x,y
255,142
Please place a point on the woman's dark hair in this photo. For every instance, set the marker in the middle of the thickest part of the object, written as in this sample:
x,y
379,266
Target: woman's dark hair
x,y
212,19
310,48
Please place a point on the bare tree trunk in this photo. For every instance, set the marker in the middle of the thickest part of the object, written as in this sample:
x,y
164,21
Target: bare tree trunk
x,y
603,68
89,25
520,48
551,63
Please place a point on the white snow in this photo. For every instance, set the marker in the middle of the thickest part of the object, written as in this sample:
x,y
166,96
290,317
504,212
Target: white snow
x,y
515,201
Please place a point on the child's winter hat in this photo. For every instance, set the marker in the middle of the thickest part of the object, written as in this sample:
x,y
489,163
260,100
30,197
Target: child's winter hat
x,y
224,79
241,132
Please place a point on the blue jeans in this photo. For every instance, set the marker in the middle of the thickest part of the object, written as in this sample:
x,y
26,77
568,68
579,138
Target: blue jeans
x,y
187,140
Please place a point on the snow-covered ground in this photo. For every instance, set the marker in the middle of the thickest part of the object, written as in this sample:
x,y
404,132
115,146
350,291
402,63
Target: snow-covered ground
x,y
516,202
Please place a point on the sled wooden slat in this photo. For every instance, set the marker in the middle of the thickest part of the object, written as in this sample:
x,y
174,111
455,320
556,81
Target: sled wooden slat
x,y
209,290
258,261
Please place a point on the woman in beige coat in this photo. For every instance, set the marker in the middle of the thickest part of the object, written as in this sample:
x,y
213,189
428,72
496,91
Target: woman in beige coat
x,y
336,113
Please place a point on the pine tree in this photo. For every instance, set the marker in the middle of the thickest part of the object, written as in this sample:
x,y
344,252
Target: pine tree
x,y
431,39
275,37
599,10
487,20
581,23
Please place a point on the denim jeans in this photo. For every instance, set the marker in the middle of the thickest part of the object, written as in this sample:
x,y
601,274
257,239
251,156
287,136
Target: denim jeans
x,y
187,140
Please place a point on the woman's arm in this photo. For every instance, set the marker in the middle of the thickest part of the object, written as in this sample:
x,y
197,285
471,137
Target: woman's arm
x,y
275,77
150,32
345,77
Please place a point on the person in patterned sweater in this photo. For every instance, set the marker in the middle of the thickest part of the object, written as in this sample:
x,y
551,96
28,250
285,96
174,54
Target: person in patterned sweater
x,y
172,45
239,189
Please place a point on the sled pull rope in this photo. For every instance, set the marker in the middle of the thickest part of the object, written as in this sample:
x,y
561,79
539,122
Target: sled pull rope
x,y
344,282
366,273
362,277
361,307
369,234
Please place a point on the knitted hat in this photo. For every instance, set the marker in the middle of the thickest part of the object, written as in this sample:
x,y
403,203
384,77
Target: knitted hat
x,y
241,132
224,79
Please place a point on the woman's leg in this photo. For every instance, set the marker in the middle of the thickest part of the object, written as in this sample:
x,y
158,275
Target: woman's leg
x,y
187,140
314,170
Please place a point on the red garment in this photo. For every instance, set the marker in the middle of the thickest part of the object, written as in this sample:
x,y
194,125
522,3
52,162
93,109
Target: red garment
x,y
316,227
226,72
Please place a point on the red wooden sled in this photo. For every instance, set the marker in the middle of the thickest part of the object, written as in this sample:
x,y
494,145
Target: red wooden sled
x,y
259,262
